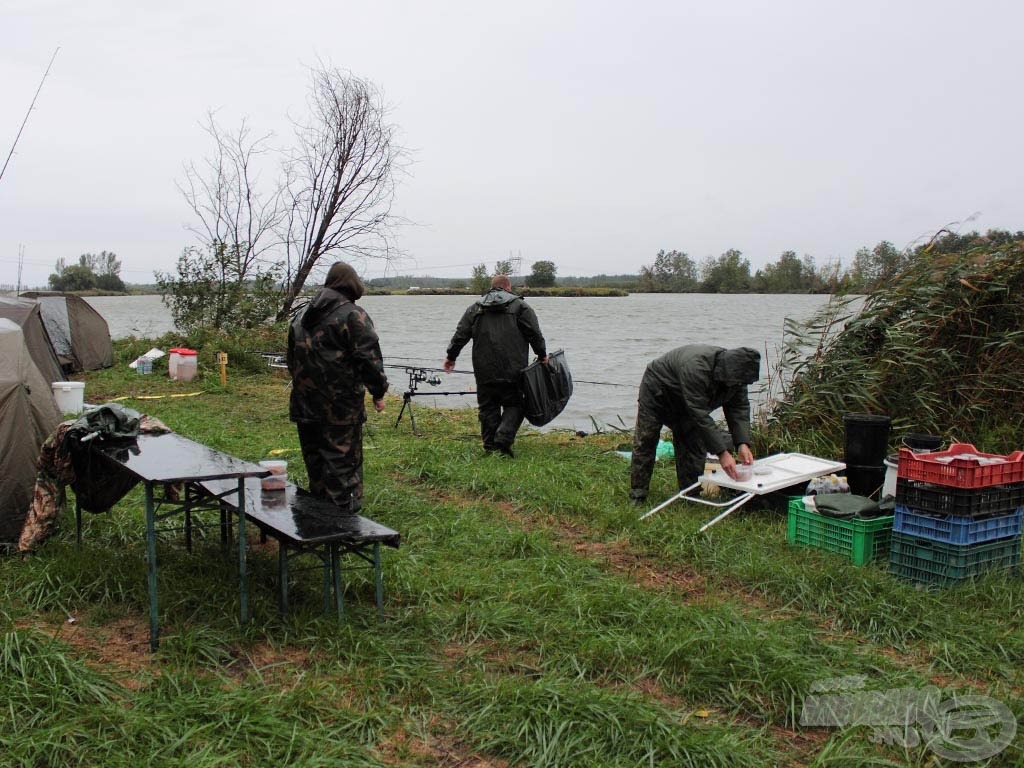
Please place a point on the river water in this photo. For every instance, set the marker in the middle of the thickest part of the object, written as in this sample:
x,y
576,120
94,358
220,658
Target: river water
x,y
607,341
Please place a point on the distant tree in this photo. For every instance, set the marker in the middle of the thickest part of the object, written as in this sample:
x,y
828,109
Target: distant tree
x,y
871,268
671,272
340,179
480,282
107,263
542,274
503,267
729,273
73,278
89,261
210,291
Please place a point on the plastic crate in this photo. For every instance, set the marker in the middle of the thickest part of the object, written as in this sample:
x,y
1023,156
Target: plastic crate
x,y
949,468
964,502
860,539
956,530
932,562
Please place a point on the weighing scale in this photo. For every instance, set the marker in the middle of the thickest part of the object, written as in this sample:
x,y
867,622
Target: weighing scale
x,y
770,474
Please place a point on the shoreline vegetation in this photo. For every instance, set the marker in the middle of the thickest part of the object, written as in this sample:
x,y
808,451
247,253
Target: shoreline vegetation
x,y
530,617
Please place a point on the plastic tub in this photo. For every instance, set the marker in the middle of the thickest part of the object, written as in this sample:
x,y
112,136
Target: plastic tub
x,y
865,481
867,439
920,443
182,364
70,396
892,464
278,477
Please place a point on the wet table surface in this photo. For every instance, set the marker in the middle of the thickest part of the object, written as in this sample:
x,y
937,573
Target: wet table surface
x,y
171,458
301,518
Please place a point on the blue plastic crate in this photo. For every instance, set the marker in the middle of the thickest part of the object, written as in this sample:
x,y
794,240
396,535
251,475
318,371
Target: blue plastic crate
x,y
953,529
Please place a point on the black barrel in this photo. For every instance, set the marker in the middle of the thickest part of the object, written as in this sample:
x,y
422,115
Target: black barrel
x,y
867,439
865,481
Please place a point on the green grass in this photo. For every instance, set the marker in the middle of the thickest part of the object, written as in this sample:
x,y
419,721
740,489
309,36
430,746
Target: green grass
x,y
531,619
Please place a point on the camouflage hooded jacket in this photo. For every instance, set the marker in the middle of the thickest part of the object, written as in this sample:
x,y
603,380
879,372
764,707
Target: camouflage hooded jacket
x,y
334,355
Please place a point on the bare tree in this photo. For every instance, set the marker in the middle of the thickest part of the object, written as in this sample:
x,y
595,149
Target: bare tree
x,y
340,179
224,193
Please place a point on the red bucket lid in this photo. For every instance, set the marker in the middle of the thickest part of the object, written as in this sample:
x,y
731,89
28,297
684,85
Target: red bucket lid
x,y
183,351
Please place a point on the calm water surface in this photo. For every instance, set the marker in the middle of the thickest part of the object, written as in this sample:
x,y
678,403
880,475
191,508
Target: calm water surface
x,y
606,340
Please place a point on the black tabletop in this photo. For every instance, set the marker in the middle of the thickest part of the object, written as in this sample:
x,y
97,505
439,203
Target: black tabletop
x,y
171,458
302,518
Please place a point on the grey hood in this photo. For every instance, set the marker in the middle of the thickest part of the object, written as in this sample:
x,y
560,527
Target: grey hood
x,y
738,366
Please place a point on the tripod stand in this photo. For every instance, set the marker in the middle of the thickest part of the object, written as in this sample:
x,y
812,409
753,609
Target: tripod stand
x,y
416,376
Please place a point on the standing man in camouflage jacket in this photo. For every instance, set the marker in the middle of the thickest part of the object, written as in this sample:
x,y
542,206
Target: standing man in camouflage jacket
x,y
679,390
334,357
503,327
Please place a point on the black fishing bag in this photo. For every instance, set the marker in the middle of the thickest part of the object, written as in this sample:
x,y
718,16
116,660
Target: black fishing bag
x,y
546,388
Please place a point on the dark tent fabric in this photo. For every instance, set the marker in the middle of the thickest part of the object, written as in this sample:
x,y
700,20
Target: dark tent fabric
x,y
79,334
546,388
28,414
27,315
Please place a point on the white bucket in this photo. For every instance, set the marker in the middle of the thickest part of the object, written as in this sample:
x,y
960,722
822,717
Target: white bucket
x,y
278,477
891,473
70,396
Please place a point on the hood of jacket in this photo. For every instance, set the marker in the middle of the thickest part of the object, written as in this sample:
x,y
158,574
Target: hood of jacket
x,y
496,298
738,366
321,305
344,279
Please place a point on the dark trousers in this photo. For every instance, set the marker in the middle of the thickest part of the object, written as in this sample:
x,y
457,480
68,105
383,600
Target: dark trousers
x,y
333,455
501,414
690,453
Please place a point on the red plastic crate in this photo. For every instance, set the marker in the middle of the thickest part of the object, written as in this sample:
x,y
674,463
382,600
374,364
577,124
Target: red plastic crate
x,y
948,468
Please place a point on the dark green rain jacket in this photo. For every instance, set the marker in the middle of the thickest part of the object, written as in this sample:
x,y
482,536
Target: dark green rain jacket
x,y
686,384
334,354
503,327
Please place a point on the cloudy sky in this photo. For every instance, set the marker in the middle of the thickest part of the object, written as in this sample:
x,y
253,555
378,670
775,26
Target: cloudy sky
x,y
589,133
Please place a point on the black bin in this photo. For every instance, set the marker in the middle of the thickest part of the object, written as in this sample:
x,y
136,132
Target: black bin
x,y
867,439
865,481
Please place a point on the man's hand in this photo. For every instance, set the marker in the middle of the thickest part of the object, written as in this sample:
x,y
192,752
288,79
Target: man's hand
x,y
378,405
744,454
543,360
728,463
449,365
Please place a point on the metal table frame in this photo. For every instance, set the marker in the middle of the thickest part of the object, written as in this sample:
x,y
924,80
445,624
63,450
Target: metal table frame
x,y
756,486
166,474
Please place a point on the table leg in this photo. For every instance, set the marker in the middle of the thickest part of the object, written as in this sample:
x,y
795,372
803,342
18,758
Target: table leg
x,y
671,500
740,501
339,597
243,581
282,575
154,626
378,581
78,518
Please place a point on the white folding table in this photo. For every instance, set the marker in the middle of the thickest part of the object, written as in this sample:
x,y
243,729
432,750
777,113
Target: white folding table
x,y
770,474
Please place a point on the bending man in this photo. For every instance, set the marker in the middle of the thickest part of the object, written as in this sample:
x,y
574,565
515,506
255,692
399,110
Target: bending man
x,y
503,328
334,357
679,390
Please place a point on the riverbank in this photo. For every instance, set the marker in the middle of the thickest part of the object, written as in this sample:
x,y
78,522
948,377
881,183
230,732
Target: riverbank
x,y
530,619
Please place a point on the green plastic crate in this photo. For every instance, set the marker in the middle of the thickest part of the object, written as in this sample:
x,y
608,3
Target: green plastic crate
x,y
862,540
940,564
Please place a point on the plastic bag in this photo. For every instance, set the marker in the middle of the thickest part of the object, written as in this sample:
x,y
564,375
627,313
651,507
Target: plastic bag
x,y
546,388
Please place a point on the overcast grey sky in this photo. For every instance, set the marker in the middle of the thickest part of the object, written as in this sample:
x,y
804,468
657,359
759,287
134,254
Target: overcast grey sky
x,y
591,134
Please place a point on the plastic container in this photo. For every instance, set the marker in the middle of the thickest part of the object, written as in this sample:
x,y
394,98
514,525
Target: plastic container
x,y
144,365
70,396
865,481
938,564
964,502
278,477
867,439
182,364
920,443
891,463
962,466
951,529
861,540
744,472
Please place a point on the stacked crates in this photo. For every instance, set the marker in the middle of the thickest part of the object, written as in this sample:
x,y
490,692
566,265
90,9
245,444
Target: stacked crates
x,y
958,514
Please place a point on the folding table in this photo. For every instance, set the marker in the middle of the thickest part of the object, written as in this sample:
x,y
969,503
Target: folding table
x,y
770,474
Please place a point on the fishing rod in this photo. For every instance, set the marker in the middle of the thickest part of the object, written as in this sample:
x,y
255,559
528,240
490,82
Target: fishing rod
x,y
29,112
418,375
